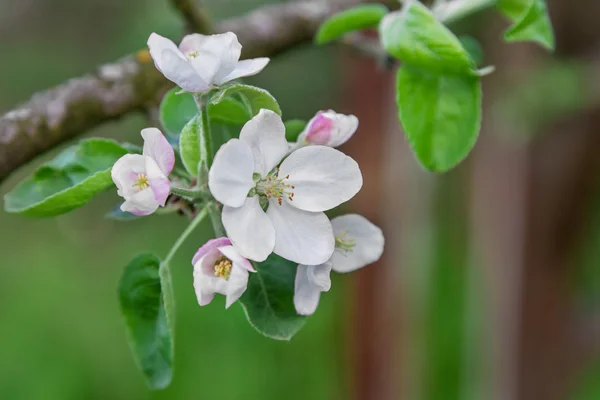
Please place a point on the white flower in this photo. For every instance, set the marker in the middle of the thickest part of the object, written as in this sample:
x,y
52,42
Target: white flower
x,y
328,128
201,61
219,268
311,180
142,179
357,243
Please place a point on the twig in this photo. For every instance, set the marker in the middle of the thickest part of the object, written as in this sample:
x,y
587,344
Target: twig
x,y
195,16
131,84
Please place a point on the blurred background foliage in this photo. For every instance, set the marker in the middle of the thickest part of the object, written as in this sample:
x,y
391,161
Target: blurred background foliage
x,y
61,333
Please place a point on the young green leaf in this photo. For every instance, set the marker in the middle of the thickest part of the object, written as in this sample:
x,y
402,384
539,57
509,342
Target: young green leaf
x,y
146,300
414,36
189,145
176,110
229,110
293,129
441,115
254,98
67,182
269,300
531,22
353,19
473,47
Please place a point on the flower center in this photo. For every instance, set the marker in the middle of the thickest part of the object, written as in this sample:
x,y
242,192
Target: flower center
x,y
274,187
344,243
141,182
223,268
192,54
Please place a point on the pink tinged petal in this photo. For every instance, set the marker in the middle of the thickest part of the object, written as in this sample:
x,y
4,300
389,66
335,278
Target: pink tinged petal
x,y
235,257
230,177
140,203
214,56
319,129
246,68
159,183
204,284
250,230
367,238
344,127
265,134
301,236
236,284
158,148
211,245
323,178
306,293
125,172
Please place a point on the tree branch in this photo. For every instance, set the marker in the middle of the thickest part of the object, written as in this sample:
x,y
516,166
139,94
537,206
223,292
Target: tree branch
x,y
194,16
131,84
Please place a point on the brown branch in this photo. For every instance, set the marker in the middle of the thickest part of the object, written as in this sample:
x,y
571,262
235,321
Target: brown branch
x,y
195,17
131,84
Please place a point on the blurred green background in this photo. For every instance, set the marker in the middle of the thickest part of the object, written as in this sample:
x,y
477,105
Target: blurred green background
x,y
426,324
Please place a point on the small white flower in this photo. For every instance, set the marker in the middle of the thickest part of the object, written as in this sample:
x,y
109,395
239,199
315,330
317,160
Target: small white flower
x,y
142,179
311,180
219,268
201,61
328,128
357,243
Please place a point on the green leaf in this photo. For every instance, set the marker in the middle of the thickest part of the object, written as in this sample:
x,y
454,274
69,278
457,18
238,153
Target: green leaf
x,y
269,300
441,115
473,47
189,145
146,300
414,36
254,98
531,22
229,111
353,19
176,110
293,129
67,182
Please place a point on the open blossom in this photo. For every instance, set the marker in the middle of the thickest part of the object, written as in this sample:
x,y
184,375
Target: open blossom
x,y
328,128
309,181
357,243
142,179
202,61
219,268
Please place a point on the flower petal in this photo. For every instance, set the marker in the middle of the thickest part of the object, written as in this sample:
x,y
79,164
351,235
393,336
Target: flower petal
x,y
319,130
306,293
319,275
236,284
141,203
157,147
212,244
214,56
230,177
246,68
344,127
159,183
234,255
169,60
301,236
368,243
323,177
250,230
265,134
125,172
204,285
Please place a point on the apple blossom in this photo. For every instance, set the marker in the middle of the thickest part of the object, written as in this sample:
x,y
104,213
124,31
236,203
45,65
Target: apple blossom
x,y
142,179
327,128
309,181
358,243
202,61
219,268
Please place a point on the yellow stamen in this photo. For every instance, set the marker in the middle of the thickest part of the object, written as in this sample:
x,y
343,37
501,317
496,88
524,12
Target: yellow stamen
x,y
223,268
141,182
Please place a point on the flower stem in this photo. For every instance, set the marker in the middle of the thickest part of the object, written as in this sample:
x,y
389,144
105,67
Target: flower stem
x,y
201,215
192,194
215,219
206,155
